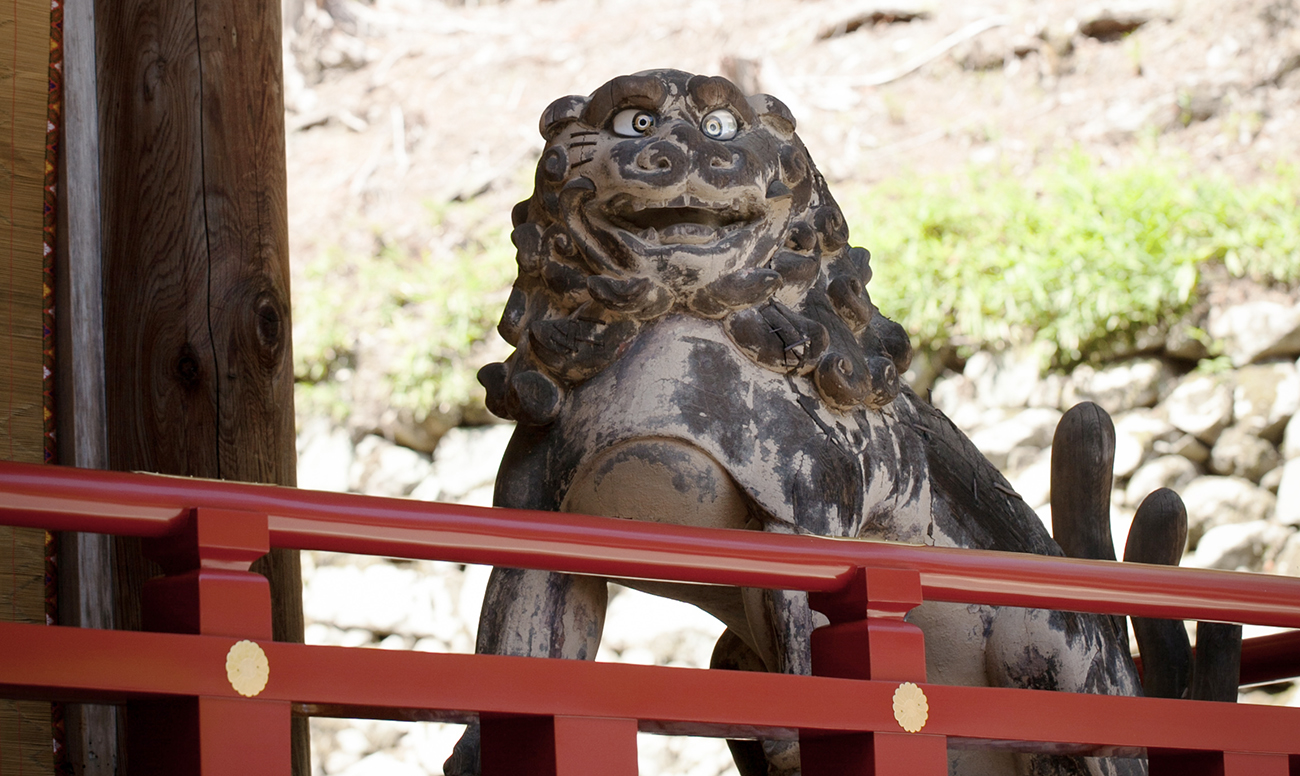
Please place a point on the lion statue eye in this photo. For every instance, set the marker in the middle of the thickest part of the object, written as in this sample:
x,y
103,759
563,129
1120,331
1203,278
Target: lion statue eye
x,y
719,124
632,122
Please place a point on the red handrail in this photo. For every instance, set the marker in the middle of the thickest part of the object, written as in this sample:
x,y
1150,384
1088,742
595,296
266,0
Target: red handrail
x,y
172,680
66,499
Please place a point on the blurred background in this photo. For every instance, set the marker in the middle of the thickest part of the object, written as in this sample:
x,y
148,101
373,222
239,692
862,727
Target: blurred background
x,y
1063,201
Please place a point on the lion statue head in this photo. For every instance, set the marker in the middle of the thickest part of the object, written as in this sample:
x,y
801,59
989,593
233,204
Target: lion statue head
x,y
666,193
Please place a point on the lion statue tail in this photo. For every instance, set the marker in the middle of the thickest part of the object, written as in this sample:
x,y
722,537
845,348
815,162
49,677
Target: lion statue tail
x,y
1083,455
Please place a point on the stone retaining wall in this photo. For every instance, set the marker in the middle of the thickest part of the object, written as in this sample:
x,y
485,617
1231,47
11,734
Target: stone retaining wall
x,y
1222,431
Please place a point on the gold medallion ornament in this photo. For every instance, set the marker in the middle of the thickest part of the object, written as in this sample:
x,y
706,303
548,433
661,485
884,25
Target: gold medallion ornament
x,y
911,709
247,668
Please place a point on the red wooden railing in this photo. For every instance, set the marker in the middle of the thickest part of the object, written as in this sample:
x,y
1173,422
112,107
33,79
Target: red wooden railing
x,y
571,718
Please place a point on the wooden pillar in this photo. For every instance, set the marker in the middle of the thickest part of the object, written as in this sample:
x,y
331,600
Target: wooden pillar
x,y
195,260
85,559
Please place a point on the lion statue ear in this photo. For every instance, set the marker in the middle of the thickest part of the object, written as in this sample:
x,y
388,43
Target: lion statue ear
x,y
560,113
773,113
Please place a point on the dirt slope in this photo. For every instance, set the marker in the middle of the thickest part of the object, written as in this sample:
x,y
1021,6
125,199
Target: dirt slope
x,y
402,104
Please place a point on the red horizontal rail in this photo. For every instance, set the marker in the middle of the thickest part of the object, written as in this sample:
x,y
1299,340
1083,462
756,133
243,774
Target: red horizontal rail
x,y
218,519
1270,658
83,664
61,498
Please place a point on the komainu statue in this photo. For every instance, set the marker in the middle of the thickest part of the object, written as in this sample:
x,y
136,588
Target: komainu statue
x,y
694,343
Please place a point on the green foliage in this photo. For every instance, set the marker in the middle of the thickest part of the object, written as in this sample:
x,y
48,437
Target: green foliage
x,y
1073,256
414,319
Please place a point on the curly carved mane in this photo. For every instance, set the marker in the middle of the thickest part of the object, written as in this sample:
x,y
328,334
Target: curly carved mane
x,y
665,193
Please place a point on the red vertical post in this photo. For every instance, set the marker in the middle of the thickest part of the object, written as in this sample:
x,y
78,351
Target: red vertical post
x,y
559,746
209,590
867,638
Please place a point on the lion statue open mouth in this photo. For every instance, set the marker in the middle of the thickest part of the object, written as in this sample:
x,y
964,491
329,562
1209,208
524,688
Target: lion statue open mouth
x,y
694,343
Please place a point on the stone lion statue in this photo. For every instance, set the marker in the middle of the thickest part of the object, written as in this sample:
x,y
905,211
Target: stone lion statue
x,y
695,343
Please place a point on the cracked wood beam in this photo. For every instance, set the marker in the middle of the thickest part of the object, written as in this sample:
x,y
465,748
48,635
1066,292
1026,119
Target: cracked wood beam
x,y
195,260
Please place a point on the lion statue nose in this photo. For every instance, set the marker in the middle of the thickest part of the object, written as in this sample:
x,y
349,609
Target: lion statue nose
x,y
659,163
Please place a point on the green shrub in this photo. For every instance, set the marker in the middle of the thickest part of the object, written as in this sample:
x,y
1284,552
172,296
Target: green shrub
x,y
1073,256
415,319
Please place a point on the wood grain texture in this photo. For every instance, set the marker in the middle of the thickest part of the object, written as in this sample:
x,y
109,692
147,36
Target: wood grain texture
x,y
1083,473
1158,535
195,247
1083,458
85,560
1216,670
79,292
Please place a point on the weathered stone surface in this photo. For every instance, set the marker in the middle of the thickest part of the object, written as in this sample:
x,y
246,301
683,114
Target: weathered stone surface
x,y
1272,479
1129,454
416,600
1136,433
354,747
1167,471
1048,391
1021,458
1181,343
1121,517
458,471
324,456
893,13
1119,387
1034,481
1029,428
927,366
1256,330
1044,514
1287,560
1110,20
1200,405
1005,379
1238,546
1265,398
1185,445
419,433
1239,453
1291,438
1288,494
1212,501
995,49
954,396
383,468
